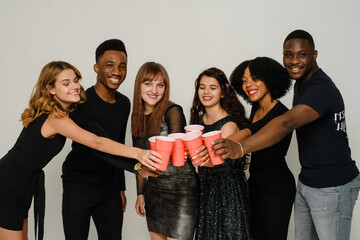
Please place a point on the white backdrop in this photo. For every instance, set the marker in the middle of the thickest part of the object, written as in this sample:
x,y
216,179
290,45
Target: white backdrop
x,y
186,37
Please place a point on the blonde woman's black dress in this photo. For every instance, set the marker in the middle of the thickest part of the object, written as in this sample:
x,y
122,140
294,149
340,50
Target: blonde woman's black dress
x,y
21,176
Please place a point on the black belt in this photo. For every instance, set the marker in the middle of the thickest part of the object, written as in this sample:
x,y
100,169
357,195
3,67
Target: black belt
x,y
39,205
220,169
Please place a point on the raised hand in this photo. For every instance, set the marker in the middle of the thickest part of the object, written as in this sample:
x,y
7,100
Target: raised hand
x,y
203,157
148,158
228,148
146,172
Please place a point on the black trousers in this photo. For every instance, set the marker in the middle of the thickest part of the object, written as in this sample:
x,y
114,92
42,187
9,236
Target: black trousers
x,y
101,202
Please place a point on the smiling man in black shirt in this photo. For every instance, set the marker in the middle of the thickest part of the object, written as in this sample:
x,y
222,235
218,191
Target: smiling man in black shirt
x,y
94,181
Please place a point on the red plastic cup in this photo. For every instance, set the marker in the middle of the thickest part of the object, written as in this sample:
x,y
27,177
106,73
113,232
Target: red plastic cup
x,y
164,146
194,127
178,153
193,142
152,142
208,138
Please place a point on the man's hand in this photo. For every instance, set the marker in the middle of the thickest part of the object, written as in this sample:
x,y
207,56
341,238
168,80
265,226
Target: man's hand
x,y
228,148
146,172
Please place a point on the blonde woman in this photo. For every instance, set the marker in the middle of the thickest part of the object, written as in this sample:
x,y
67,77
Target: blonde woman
x,y
46,126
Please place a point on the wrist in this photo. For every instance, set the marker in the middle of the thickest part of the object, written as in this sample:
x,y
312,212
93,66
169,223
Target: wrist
x,y
242,149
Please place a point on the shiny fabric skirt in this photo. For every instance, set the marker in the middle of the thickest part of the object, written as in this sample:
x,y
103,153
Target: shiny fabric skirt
x,y
224,204
171,202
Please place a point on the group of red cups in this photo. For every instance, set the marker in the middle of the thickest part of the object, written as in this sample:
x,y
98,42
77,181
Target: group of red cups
x,y
176,143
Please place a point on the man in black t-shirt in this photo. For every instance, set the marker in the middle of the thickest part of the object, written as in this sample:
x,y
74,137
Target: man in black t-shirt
x,y
93,181
329,180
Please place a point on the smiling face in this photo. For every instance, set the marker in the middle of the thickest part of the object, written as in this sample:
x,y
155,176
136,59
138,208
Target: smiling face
x,y
111,69
299,58
66,89
152,92
255,89
209,91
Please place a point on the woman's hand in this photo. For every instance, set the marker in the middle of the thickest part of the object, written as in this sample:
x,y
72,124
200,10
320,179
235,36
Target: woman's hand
x,y
228,148
148,158
202,157
139,205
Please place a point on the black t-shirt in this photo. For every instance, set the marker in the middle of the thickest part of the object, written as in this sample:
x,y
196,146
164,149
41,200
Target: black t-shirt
x,y
87,165
323,144
268,169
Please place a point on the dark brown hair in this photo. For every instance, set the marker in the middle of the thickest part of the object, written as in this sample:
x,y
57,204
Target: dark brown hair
x,y
230,102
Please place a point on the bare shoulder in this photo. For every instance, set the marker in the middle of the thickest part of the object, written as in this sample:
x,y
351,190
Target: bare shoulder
x,y
63,126
50,126
228,129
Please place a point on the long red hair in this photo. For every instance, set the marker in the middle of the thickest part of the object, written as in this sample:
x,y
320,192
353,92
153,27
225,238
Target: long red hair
x,y
148,72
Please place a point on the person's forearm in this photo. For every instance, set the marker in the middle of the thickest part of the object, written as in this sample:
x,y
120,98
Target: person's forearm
x,y
115,148
270,134
240,135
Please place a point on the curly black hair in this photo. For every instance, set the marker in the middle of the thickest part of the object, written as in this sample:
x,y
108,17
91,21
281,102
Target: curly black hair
x,y
275,76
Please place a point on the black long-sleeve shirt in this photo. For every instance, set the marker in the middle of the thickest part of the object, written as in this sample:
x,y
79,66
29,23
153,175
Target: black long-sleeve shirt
x,y
87,165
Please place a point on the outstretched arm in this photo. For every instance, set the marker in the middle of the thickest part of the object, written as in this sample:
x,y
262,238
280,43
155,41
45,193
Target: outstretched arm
x,y
270,134
228,129
66,127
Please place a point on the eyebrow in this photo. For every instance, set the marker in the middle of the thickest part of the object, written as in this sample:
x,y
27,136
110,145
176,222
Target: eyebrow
x,y
110,61
211,85
67,79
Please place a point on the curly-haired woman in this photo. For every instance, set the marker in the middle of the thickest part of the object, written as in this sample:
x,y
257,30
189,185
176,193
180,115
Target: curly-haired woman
x,y
261,82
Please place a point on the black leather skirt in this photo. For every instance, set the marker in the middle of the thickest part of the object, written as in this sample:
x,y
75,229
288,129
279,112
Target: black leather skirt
x,y
171,202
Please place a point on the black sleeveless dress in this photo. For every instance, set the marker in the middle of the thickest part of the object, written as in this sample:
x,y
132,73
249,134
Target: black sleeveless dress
x,y
21,174
271,183
224,198
171,200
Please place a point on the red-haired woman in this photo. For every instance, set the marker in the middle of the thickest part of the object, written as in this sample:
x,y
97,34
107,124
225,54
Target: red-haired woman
x,y
171,200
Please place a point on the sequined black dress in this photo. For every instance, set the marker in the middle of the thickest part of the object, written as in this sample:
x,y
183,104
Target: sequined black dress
x,y
224,198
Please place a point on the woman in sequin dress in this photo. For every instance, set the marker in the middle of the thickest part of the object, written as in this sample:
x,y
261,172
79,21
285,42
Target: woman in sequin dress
x,y
224,197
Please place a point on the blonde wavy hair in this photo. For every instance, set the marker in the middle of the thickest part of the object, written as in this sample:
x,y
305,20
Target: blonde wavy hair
x,y
41,101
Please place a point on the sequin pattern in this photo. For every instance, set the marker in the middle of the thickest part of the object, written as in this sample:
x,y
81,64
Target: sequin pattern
x,y
224,199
